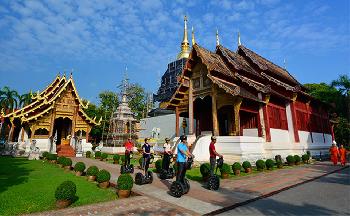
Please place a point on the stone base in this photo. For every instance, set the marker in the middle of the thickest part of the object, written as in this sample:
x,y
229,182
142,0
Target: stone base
x,y
34,156
79,155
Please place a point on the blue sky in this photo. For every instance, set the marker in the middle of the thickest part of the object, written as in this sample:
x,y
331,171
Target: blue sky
x,y
99,38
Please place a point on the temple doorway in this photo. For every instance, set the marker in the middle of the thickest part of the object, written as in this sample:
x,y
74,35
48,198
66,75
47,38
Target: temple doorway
x,y
226,118
63,128
203,115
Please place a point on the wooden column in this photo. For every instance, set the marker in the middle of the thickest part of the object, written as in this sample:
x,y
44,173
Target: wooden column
x,y
266,119
214,110
190,109
177,129
53,115
332,132
309,120
236,107
294,119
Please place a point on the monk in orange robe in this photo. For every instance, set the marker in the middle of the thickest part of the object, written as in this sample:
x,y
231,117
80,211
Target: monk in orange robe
x,y
334,154
342,153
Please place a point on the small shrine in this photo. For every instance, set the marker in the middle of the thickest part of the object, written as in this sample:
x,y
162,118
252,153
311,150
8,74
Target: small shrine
x,y
122,123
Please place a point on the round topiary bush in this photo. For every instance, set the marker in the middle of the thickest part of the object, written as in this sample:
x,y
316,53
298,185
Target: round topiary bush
x,y
60,160
125,182
290,160
103,176
67,162
246,165
92,171
278,157
98,155
141,161
225,168
205,170
279,164
122,158
52,157
116,157
159,165
88,154
79,167
104,156
269,164
236,166
305,158
297,159
66,191
260,165
45,154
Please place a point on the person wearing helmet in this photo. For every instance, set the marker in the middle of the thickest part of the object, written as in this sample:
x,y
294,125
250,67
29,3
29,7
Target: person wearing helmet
x,y
213,154
128,150
146,154
182,154
167,154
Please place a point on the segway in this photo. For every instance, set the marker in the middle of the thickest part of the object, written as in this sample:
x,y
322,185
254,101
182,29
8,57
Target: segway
x,y
178,188
127,168
214,180
167,173
141,179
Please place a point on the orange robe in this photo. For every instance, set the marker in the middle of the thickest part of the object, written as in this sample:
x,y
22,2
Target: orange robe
x,y
334,155
342,153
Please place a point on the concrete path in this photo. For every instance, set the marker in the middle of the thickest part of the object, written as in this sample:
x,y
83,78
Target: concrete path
x,y
232,192
328,195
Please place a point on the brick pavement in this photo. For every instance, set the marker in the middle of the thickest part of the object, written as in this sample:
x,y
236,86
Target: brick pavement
x,y
200,200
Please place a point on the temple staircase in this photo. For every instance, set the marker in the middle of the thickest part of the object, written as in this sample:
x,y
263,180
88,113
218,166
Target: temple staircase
x,y
65,150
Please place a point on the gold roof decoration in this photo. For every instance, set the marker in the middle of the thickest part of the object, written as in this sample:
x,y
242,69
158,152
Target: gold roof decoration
x,y
185,45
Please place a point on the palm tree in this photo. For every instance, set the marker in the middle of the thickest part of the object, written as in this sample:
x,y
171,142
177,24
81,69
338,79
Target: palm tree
x,y
343,84
25,99
8,98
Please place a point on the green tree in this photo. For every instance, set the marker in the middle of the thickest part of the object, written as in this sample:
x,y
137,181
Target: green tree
x,y
342,132
343,85
25,99
137,100
8,98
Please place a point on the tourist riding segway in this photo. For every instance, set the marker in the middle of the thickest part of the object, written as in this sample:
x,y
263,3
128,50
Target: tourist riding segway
x,y
214,180
141,179
127,168
178,188
167,173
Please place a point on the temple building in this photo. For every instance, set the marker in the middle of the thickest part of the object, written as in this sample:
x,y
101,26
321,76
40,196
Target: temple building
x,y
255,108
55,120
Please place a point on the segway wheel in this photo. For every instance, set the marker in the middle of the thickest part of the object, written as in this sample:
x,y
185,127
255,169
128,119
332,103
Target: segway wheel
x,y
122,169
176,189
213,183
138,178
150,177
131,168
187,186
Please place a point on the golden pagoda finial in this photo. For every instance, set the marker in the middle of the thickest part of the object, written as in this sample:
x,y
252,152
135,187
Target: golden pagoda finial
x,y
217,38
239,38
185,45
193,39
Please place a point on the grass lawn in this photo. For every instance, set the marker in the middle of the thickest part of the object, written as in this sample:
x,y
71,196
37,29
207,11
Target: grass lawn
x,y
29,186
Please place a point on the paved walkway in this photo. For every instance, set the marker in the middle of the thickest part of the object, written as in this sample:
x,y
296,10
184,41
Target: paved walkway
x,y
199,200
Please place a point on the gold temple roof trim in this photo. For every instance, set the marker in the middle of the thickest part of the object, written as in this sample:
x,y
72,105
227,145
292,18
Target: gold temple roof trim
x,y
93,121
23,119
55,81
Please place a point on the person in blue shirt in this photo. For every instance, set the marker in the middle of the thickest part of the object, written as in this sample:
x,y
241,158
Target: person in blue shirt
x,y
182,154
146,154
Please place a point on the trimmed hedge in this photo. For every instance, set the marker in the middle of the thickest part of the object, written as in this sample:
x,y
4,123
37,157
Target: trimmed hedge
x,y
122,158
205,169
125,182
98,155
141,161
66,191
88,154
305,158
52,157
92,171
269,163
297,159
103,176
225,168
45,154
279,164
246,165
236,166
159,165
260,165
290,160
79,167
61,159
67,162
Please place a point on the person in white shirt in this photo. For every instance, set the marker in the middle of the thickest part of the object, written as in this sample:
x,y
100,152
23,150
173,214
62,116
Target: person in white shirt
x,y
167,154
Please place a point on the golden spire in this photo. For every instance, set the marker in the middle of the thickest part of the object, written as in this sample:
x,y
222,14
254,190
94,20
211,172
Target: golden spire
x,y
239,38
217,38
193,40
185,45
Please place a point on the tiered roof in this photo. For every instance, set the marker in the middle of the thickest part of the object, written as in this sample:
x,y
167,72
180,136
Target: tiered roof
x,y
243,73
43,102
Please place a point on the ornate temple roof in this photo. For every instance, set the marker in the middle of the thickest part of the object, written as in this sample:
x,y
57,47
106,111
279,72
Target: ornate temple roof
x,y
43,102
